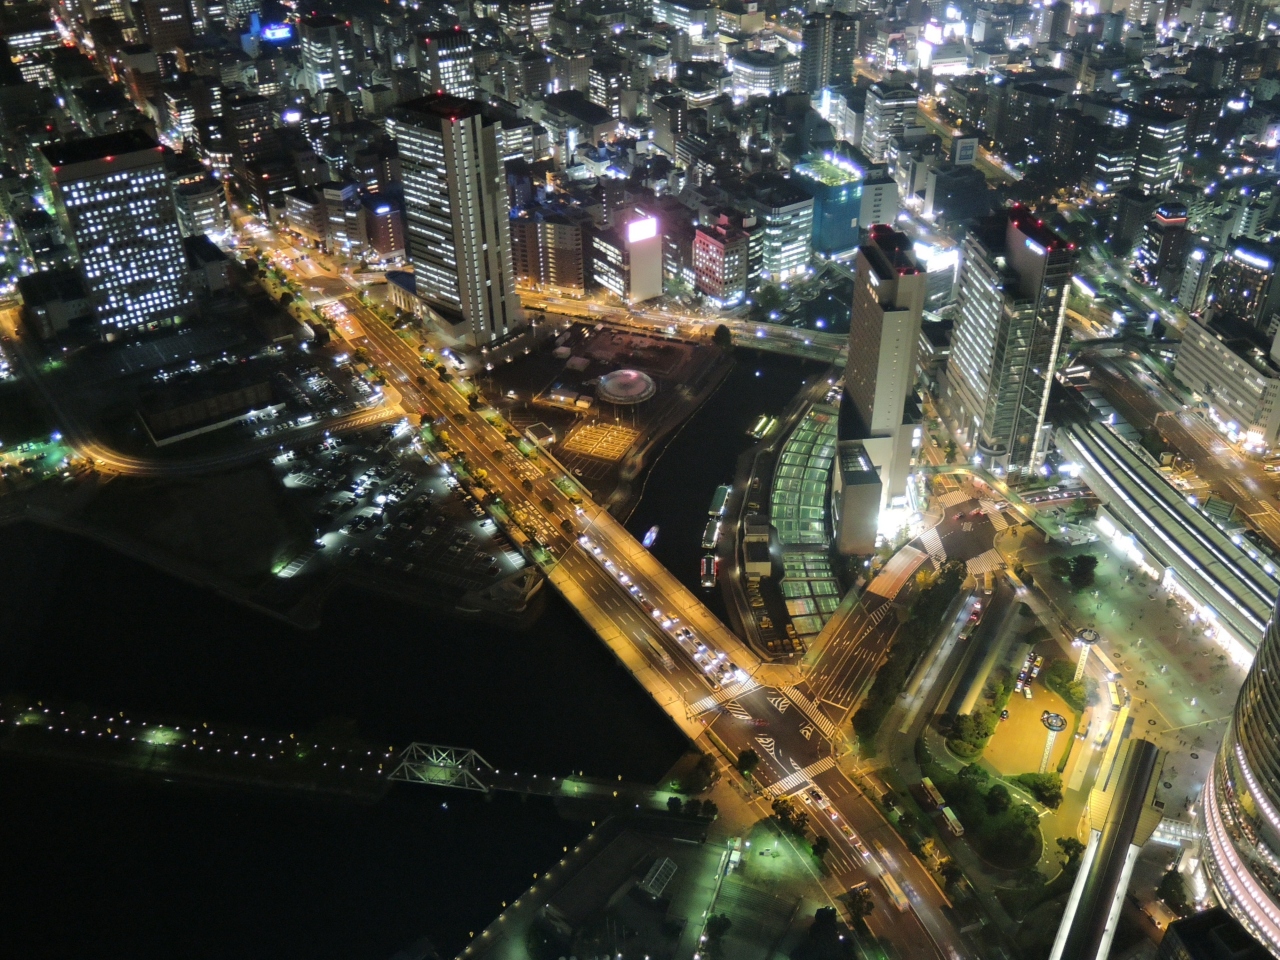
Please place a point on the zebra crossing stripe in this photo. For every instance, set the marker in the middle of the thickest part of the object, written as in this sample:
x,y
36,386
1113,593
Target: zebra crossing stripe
x,y
933,543
728,692
810,710
990,560
737,710
795,781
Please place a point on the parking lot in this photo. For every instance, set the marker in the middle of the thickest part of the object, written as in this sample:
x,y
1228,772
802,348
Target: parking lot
x,y
382,504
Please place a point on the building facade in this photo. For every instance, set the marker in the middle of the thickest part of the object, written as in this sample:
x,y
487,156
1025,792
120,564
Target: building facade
x,y
721,262
889,288
457,233
328,53
1011,304
1240,803
112,194
449,62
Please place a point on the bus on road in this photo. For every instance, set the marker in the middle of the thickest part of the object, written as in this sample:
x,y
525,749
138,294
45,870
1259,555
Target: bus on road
x,y
1114,693
953,824
931,792
894,892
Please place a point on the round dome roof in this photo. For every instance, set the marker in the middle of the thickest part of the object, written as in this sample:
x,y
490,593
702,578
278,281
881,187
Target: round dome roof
x,y
626,386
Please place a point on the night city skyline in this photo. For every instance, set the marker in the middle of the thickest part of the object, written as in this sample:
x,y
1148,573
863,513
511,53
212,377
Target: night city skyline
x,y
651,480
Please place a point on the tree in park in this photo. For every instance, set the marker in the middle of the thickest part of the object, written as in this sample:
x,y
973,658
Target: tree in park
x,y
748,760
722,337
820,847
1070,850
1082,570
1060,567
674,804
998,799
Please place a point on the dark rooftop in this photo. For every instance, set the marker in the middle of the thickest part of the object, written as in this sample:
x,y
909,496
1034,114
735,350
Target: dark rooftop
x,y
442,106
98,148
574,103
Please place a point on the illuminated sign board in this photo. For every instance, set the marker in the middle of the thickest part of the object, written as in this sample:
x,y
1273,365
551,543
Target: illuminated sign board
x,y
277,32
1035,247
638,230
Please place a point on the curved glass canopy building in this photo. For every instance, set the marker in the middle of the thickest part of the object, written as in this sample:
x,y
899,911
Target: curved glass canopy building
x,y
1240,808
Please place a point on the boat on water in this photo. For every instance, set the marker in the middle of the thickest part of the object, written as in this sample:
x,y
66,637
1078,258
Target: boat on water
x,y
711,534
719,500
709,565
650,537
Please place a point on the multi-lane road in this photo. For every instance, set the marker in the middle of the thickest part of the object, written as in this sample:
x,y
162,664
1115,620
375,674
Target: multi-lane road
x,y
786,718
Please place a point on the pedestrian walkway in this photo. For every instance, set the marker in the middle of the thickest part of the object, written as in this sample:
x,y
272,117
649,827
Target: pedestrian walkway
x,y
933,543
954,497
728,692
998,521
983,562
811,710
897,571
799,778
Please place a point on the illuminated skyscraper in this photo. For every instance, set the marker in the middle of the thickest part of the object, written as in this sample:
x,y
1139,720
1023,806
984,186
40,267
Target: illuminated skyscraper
x,y
328,53
457,232
880,374
113,196
1240,806
1011,305
449,62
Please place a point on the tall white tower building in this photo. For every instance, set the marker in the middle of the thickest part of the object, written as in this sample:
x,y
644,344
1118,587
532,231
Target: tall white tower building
x,y
889,289
457,232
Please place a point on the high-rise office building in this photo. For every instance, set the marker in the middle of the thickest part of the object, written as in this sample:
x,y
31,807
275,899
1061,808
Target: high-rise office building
x,y
250,122
448,61
328,53
531,18
1162,252
549,248
607,78
1158,150
1011,303
760,73
830,46
456,215
721,261
889,288
1240,804
112,194
890,110
626,259
784,225
1246,284
164,24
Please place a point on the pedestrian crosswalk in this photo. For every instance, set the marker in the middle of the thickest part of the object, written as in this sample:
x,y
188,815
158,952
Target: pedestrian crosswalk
x,y
798,779
736,710
954,497
995,516
810,710
729,691
990,560
933,543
